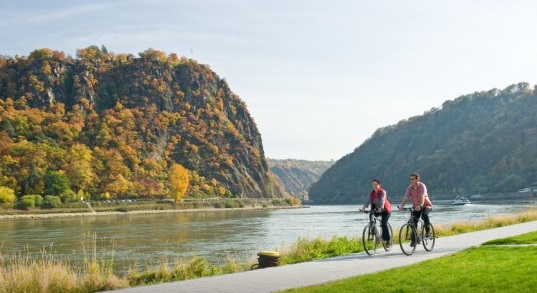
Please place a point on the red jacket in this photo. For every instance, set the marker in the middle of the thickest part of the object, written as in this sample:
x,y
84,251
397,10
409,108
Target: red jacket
x,y
376,199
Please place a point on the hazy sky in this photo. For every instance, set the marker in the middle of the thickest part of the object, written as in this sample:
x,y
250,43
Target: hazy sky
x,y
319,77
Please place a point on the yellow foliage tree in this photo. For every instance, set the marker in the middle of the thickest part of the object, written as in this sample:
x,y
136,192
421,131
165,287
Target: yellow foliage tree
x,y
7,197
178,179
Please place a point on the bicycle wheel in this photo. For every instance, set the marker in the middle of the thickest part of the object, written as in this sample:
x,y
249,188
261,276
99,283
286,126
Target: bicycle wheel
x,y
388,246
428,242
408,239
369,240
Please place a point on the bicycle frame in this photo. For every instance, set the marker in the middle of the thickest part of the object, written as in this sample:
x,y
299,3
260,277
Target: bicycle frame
x,y
413,232
371,236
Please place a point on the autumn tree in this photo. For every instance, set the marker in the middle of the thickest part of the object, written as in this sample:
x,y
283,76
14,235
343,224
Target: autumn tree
x,y
178,179
114,174
7,196
78,167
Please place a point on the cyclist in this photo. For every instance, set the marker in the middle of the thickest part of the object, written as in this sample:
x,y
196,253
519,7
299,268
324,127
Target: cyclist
x,y
378,200
417,192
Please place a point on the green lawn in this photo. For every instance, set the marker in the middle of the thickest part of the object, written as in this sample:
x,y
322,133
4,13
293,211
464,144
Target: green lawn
x,y
493,267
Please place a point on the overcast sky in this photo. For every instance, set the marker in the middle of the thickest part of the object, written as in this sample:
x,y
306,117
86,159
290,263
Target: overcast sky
x,y
318,77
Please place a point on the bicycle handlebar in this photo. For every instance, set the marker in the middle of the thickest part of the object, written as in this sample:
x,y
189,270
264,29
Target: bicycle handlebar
x,y
368,211
405,209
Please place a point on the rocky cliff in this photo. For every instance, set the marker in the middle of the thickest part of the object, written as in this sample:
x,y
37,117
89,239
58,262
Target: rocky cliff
x,y
136,116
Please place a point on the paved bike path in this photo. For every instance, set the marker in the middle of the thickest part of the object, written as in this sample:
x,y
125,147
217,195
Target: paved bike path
x,y
331,269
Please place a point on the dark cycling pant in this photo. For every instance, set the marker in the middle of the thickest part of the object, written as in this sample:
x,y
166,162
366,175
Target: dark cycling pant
x,y
424,214
385,216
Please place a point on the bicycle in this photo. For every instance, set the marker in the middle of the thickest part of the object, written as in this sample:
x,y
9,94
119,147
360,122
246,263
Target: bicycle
x,y
410,235
371,236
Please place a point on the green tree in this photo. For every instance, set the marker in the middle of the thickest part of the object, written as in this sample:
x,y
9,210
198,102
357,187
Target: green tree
x,y
512,182
56,183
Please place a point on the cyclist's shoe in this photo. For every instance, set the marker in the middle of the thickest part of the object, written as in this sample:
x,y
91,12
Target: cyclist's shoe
x,y
412,244
428,235
388,244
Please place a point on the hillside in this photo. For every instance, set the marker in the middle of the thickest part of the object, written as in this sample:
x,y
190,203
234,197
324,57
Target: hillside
x,y
296,176
485,142
114,124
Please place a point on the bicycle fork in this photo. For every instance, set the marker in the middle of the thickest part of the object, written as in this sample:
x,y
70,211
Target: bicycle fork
x,y
409,233
373,233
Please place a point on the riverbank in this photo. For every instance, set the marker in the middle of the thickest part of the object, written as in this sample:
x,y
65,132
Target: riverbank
x,y
97,274
137,212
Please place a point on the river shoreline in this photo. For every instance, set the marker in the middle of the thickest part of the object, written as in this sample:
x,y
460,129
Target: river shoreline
x,y
139,212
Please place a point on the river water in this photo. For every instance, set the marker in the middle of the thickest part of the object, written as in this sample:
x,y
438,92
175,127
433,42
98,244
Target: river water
x,y
144,240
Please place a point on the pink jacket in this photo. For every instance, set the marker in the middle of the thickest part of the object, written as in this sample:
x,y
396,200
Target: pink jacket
x,y
416,193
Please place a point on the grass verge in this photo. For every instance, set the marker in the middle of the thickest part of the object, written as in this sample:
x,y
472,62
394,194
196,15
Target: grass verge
x,y
489,268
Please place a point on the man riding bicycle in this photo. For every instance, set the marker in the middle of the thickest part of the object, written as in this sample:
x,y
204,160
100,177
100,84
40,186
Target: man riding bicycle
x,y
417,192
378,199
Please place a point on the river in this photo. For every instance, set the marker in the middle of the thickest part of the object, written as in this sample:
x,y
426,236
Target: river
x,y
144,240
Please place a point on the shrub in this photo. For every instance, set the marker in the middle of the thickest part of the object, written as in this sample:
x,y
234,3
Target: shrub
x,y
230,204
38,200
52,201
68,196
26,202
277,202
293,201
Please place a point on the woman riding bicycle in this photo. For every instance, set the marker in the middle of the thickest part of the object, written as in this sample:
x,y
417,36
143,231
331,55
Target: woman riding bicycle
x,y
417,192
378,199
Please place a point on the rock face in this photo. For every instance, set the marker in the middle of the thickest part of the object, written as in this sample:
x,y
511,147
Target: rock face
x,y
155,108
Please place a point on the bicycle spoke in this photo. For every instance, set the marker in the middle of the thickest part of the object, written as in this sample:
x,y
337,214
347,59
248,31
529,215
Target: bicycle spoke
x,y
388,246
408,239
369,240
428,242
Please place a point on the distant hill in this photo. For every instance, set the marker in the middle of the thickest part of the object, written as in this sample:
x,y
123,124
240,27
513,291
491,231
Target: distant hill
x,y
484,142
296,176
114,124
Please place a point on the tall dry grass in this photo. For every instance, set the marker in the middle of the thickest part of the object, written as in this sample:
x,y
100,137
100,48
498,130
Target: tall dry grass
x,y
491,222
23,272
46,275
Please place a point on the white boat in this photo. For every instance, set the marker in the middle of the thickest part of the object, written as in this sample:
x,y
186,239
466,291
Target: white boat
x,y
460,200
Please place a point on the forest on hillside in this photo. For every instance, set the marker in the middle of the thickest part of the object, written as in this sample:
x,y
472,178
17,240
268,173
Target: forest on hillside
x,y
106,125
485,142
